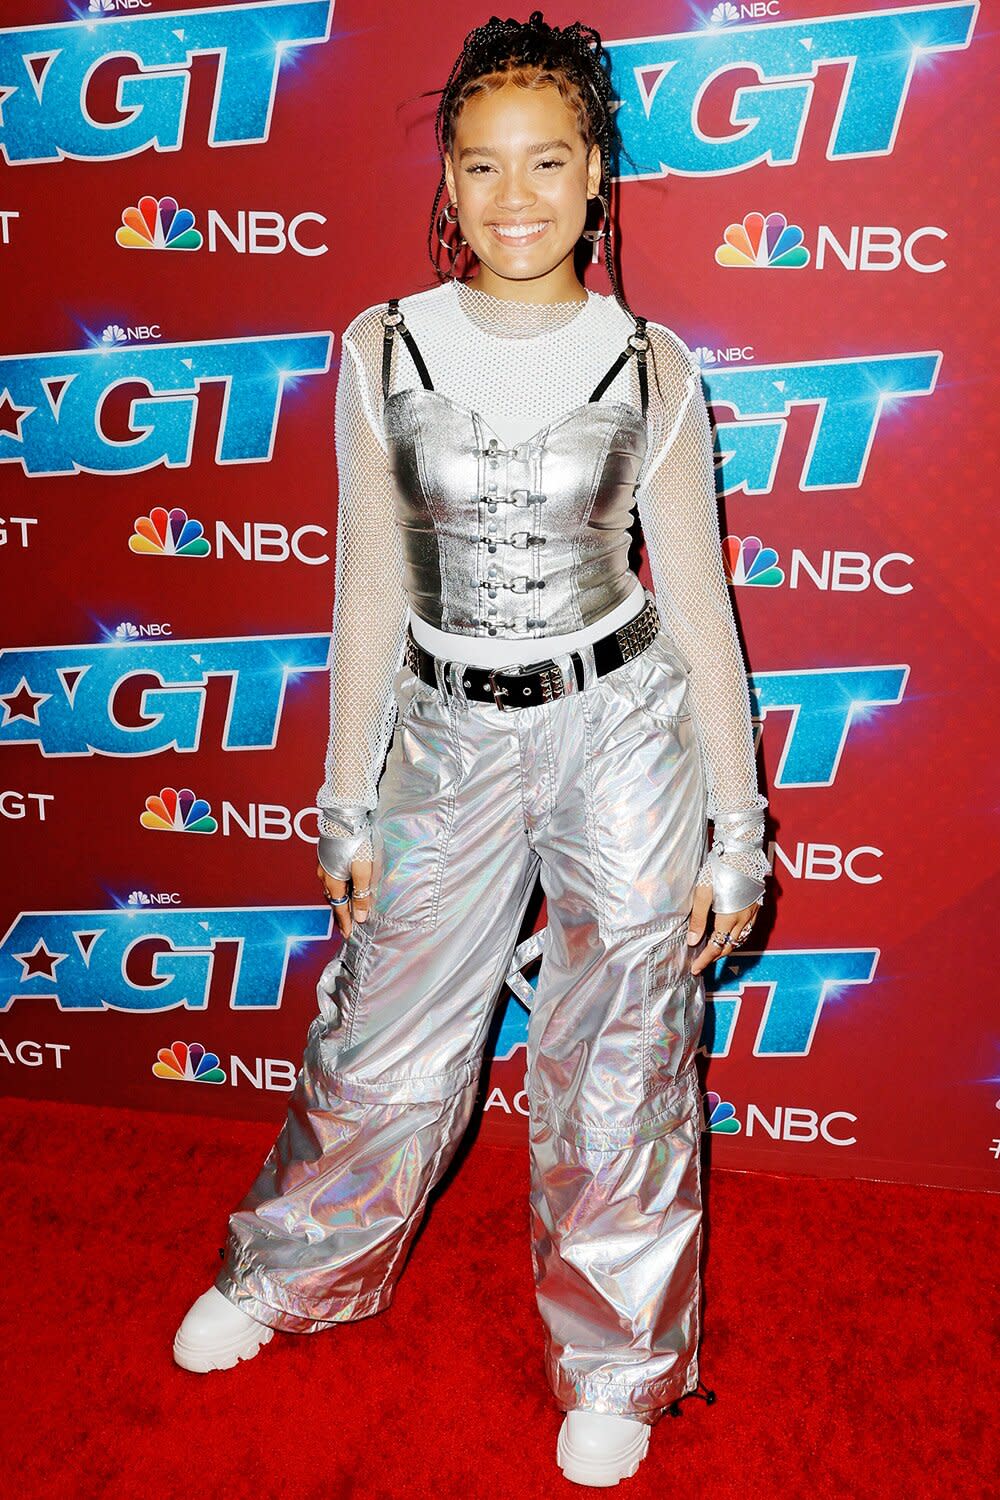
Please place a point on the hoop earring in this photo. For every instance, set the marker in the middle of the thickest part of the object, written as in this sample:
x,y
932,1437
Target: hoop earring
x,y
596,235
454,248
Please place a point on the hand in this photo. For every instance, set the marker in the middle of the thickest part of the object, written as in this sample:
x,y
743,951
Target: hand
x,y
732,922
359,906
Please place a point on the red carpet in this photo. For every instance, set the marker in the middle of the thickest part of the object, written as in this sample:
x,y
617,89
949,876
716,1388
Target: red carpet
x,y
850,1337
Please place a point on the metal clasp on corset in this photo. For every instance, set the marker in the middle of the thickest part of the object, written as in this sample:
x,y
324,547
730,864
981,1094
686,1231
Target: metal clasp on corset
x,y
518,496
530,540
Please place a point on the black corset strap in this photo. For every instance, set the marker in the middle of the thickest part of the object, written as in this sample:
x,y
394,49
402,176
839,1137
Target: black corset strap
x,y
392,319
638,343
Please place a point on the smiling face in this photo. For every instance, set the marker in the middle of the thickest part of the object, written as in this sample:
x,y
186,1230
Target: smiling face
x,y
520,174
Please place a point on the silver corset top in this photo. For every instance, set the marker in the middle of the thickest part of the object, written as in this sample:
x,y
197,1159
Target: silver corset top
x,y
529,540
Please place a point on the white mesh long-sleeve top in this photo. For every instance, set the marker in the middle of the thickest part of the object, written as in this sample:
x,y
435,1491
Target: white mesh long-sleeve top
x,y
521,365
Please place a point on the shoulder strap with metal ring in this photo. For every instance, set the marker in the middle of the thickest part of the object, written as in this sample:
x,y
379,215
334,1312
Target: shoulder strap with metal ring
x,y
392,319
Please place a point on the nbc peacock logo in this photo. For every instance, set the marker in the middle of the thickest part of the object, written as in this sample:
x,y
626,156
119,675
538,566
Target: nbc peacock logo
x,y
763,241
158,224
173,811
721,14
747,560
720,1115
168,533
188,1062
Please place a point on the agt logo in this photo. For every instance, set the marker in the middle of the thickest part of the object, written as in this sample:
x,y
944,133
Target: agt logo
x,y
766,78
886,52
60,697
748,563
160,224
173,533
143,958
19,525
68,437
783,1123
190,1062
179,811
767,242
252,48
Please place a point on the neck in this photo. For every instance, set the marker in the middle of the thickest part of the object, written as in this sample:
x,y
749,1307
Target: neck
x,y
541,291
507,316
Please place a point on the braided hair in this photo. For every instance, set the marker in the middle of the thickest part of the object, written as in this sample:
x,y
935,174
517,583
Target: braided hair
x,y
532,53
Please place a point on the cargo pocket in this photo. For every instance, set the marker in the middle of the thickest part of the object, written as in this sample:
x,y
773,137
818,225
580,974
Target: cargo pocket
x,y
673,1012
337,989
656,682
415,813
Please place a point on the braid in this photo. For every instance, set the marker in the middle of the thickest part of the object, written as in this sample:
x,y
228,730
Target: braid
x,y
572,58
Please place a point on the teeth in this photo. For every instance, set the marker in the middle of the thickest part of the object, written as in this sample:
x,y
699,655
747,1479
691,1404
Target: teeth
x,y
518,232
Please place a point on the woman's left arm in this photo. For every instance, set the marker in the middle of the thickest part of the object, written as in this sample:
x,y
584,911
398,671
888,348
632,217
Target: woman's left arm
x,y
678,511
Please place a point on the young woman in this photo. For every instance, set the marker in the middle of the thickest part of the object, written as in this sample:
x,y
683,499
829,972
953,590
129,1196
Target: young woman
x,y
545,715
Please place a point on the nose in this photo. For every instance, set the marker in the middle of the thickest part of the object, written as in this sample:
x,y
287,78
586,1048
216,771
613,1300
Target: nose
x,y
514,193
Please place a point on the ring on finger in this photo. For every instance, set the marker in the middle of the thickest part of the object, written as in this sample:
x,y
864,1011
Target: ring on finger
x,y
721,938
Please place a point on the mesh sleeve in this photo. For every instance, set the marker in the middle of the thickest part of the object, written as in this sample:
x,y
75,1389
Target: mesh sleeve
x,y
678,511
370,607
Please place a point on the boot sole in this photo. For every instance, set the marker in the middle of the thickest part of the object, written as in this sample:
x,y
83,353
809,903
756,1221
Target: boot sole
x,y
602,1473
221,1356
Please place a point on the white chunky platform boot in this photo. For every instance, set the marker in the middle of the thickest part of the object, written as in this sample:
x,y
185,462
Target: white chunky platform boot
x,y
599,1448
216,1334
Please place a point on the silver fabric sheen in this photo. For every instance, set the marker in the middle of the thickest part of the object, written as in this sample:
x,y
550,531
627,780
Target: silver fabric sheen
x,y
496,543
601,793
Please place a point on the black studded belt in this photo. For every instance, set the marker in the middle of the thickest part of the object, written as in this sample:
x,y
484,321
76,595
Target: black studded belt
x,y
539,682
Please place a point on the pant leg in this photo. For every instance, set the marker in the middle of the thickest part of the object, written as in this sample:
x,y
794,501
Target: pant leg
x,y
614,1099
391,1065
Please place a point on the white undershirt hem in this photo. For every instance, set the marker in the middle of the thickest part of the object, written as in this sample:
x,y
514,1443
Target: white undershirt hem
x,y
499,651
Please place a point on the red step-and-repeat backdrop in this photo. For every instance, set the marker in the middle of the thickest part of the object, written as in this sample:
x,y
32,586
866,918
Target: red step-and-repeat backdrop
x,y
194,202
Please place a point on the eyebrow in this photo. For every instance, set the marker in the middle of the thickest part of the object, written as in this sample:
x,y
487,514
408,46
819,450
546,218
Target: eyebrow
x,y
488,151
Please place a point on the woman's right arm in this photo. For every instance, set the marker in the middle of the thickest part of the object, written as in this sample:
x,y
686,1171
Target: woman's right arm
x,y
370,607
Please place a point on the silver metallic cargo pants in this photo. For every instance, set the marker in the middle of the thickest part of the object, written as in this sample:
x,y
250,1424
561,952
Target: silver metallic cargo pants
x,y
601,793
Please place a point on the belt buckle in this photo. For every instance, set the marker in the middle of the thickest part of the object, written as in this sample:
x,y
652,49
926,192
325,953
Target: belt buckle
x,y
490,678
548,672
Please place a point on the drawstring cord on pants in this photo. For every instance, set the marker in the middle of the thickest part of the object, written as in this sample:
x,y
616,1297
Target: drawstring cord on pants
x,y
676,1410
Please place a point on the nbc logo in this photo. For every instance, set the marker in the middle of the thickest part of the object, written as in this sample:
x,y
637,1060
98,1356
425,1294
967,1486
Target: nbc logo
x,y
169,533
129,631
720,1114
158,224
749,10
747,560
763,242
113,334
188,1062
173,811
704,356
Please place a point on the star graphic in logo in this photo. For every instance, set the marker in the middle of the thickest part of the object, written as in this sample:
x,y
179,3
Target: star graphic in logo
x,y
39,963
29,704
10,421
